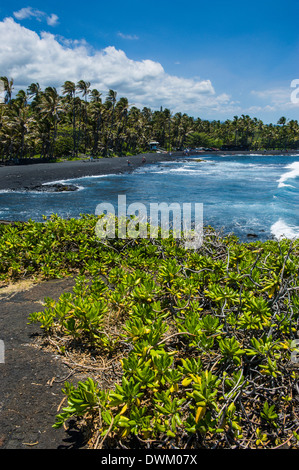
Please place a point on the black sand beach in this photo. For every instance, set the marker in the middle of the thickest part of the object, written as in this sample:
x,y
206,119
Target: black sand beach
x,y
31,378
16,177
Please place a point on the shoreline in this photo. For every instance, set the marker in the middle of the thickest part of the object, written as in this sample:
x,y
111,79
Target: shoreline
x,y
20,177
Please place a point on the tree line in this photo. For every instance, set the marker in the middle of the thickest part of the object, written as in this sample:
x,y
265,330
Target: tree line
x,y
79,121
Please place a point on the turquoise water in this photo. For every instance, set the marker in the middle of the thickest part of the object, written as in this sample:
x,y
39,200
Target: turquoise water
x,y
251,194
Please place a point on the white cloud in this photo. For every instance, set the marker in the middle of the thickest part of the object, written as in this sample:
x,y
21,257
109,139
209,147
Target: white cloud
x,y
49,60
276,98
130,37
52,20
258,109
29,12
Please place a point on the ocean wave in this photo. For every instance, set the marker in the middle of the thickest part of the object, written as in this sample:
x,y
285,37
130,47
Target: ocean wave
x,y
55,182
14,191
282,230
179,171
98,176
60,182
294,173
284,185
184,170
230,155
242,155
72,180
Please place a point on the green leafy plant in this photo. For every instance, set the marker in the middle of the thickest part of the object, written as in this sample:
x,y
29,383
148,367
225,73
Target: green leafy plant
x,y
81,399
183,347
231,350
269,414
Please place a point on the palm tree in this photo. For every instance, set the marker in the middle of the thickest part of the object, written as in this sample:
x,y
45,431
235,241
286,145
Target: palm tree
x,y
282,121
15,122
34,91
246,127
110,106
257,126
121,111
21,98
32,120
69,89
293,132
95,113
235,125
51,108
38,127
284,131
84,88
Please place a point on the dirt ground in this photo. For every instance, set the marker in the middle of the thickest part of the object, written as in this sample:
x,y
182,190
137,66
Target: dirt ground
x,y
31,379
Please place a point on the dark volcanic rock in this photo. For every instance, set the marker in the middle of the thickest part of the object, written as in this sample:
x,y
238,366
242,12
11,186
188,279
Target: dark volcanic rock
x,y
53,188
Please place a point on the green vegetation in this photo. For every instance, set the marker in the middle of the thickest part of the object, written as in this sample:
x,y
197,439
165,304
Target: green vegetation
x,y
179,348
43,123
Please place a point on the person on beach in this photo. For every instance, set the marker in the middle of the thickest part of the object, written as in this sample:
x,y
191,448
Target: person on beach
x,y
129,163
143,159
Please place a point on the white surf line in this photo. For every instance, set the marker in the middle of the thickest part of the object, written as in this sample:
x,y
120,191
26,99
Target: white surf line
x,y
282,230
294,173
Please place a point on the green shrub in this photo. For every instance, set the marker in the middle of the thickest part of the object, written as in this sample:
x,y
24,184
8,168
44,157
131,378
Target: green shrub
x,y
197,344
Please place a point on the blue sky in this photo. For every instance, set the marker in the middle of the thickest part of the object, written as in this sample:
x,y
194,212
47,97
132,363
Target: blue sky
x,y
208,59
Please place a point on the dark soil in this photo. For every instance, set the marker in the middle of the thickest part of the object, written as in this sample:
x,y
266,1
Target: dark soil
x,y
31,378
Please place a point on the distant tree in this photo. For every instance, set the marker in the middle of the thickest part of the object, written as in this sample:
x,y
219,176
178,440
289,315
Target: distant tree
x,y
69,90
51,108
84,88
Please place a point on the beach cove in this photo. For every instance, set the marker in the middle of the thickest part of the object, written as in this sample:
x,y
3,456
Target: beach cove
x,y
34,374
16,177
252,194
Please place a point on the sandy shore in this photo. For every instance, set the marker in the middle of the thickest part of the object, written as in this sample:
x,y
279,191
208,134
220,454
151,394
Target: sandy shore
x,y
18,177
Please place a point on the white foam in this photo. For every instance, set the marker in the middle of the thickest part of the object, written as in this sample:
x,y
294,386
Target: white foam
x,y
71,180
99,176
54,182
282,230
59,182
240,155
294,173
284,185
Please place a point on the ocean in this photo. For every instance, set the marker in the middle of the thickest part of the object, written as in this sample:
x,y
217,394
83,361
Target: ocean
x,y
254,196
